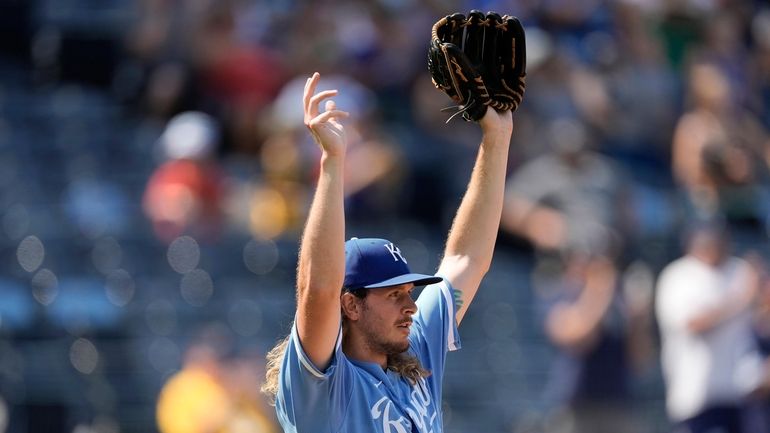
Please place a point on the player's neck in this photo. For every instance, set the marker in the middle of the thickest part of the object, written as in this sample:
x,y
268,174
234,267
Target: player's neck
x,y
356,348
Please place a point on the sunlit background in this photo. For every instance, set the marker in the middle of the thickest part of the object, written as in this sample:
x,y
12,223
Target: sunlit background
x,y
155,175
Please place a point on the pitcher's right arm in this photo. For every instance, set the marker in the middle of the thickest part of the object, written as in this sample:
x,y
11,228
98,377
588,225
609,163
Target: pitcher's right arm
x,y
321,268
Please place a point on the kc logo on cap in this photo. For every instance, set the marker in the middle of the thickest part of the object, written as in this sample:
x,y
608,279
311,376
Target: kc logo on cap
x,y
372,263
395,252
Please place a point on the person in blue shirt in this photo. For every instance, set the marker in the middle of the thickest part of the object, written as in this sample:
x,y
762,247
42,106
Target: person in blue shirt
x,y
363,355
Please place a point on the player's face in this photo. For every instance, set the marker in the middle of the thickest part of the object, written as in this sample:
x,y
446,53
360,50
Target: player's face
x,y
387,318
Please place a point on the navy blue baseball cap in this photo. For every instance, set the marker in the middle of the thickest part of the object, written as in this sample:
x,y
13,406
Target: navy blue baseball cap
x,y
371,263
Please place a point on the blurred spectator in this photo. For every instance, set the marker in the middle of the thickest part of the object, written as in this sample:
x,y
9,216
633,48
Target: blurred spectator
x,y
603,338
709,358
720,152
550,91
572,198
185,192
240,77
758,417
643,91
158,49
195,58
214,393
722,46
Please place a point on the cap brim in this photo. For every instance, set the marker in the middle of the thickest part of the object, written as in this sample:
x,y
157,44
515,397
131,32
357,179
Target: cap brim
x,y
417,279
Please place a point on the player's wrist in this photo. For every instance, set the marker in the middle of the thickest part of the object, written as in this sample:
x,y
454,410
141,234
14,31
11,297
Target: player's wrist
x,y
498,136
332,159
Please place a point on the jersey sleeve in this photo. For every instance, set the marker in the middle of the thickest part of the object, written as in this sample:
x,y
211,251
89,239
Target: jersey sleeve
x,y
309,397
435,327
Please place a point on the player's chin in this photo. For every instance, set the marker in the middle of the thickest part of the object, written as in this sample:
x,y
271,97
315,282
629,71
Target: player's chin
x,y
397,350
398,346
403,345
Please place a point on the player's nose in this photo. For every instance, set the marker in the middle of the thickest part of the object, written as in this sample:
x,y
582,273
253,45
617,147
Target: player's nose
x,y
410,306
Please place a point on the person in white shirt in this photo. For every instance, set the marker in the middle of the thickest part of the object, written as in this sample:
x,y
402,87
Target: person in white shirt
x,y
709,357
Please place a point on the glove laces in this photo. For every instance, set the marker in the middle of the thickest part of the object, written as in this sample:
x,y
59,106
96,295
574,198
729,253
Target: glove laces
x,y
460,108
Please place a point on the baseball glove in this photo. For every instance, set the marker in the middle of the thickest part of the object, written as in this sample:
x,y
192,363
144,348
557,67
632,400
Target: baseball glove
x,y
479,61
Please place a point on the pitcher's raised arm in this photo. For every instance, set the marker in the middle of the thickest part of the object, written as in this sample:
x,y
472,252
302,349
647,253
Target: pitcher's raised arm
x,y
321,268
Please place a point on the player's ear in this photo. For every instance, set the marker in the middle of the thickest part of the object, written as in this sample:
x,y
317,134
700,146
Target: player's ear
x,y
351,306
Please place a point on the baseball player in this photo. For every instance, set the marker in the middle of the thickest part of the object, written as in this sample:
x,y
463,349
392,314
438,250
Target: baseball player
x,y
362,355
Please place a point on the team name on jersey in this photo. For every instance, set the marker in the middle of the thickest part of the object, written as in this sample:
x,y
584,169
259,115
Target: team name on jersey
x,y
420,411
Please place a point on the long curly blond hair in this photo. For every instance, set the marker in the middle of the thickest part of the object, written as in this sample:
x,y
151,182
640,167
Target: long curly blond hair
x,y
272,369
408,366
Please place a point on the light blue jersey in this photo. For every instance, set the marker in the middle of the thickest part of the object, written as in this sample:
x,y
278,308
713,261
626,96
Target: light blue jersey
x,y
359,397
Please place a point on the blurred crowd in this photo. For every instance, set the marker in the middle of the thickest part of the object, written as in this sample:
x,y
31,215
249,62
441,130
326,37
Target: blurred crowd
x,y
625,99
639,181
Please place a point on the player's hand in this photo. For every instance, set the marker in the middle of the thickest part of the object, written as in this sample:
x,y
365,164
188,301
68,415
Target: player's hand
x,y
497,124
325,126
